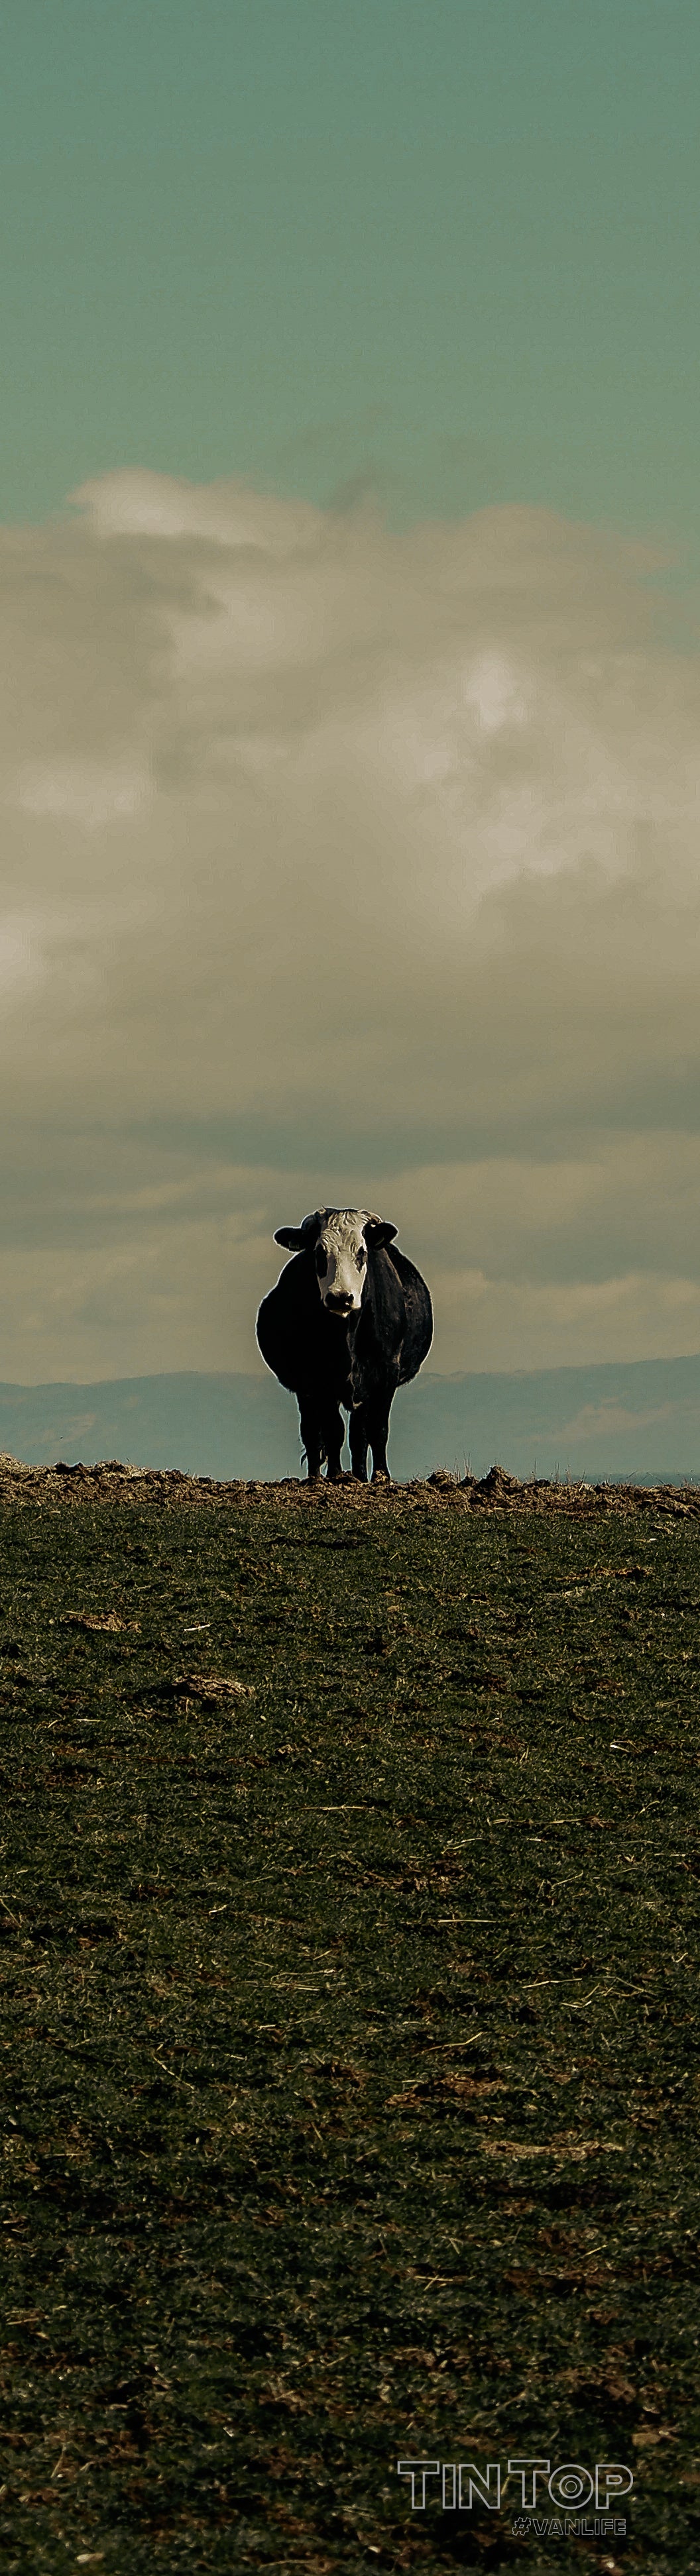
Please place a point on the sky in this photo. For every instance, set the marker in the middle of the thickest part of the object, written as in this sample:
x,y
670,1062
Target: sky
x,y
449,248
349,737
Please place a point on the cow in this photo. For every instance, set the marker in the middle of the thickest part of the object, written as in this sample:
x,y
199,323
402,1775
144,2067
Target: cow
x,y
349,1320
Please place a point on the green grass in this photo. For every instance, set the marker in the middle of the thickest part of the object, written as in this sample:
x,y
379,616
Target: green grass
x,y
351,2025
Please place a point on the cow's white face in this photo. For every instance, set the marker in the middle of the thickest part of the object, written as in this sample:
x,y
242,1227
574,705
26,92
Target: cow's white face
x,y
341,1260
340,1240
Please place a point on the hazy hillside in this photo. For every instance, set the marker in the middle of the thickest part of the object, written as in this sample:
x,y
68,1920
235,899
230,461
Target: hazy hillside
x,y
642,1421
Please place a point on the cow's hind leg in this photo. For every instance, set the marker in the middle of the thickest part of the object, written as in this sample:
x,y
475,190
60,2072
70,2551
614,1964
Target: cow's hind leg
x,y
378,1411
310,1429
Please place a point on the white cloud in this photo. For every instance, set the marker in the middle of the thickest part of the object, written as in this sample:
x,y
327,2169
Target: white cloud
x,y
343,864
135,503
82,791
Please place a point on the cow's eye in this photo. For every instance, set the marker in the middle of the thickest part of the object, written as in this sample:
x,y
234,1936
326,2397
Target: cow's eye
x,y
361,1257
321,1260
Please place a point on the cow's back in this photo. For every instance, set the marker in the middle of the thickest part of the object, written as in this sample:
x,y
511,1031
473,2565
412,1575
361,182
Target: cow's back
x,y
418,1332
284,1324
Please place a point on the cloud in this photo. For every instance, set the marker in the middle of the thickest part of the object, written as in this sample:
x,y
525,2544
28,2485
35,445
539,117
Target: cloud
x,y
343,864
82,791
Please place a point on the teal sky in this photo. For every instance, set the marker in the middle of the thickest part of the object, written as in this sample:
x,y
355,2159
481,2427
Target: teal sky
x,y
447,245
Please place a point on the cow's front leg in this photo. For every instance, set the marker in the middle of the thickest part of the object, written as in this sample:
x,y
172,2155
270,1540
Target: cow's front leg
x,y
310,1429
333,1437
359,1443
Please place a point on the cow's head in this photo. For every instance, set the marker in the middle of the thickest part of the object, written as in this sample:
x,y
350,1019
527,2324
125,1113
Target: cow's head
x,y
341,1240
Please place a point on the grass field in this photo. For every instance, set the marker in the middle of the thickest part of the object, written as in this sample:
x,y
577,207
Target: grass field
x,y
349,1910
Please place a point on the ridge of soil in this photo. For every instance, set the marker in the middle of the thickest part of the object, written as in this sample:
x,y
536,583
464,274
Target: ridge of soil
x,y
116,1480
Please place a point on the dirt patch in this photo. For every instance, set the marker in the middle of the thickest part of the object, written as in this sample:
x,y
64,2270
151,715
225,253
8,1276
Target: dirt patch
x,y
348,1979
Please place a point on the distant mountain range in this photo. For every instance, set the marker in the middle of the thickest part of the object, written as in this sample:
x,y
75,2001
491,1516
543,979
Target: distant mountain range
x,y
641,1421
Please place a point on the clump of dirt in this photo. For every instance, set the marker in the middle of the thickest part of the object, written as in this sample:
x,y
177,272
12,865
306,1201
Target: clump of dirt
x,y
114,1480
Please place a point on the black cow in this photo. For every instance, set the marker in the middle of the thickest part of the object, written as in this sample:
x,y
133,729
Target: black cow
x,y
348,1322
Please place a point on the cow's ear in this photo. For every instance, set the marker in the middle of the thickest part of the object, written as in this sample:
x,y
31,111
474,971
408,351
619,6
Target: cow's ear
x,y
377,1232
296,1238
